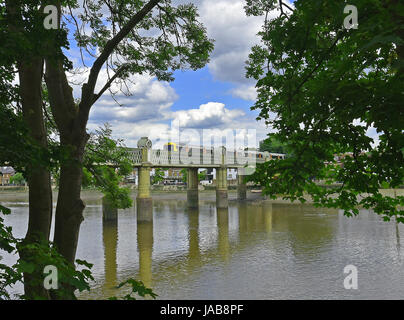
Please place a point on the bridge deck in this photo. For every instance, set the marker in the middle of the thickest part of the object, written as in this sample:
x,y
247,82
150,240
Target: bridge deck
x,y
194,158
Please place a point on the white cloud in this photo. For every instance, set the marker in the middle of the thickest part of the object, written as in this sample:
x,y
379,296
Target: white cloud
x,y
211,114
184,125
141,98
234,35
245,92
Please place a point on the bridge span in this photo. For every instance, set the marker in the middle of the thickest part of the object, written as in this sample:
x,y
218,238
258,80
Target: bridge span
x,y
192,158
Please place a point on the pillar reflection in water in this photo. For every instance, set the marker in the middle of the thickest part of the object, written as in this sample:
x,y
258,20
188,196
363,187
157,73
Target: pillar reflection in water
x,y
223,232
257,220
110,241
193,235
267,212
145,249
398,244
242,218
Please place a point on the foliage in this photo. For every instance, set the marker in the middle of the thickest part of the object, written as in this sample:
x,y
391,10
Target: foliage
x,y
42,253
137,287
180,41
158,175
184,175
271,144
106,163
324,88
201,175
18,179
16,147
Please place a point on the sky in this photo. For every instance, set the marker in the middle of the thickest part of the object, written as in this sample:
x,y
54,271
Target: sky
x,y
217,97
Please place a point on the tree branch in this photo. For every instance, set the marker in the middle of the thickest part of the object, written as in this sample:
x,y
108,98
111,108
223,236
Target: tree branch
x,y
88,88
108,84
284,4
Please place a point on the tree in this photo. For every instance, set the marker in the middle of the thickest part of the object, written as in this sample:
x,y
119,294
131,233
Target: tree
x,y
271,144
120,41
18,179
158,176
201,175
106,163
184,175
322,87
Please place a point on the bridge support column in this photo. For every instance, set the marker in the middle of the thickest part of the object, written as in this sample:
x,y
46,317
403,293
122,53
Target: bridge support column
x,y
109,212
221,188
241,186
144,203
192,188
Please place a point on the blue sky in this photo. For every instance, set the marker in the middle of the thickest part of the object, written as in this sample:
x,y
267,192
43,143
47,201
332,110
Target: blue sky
x,y
217,97
198,87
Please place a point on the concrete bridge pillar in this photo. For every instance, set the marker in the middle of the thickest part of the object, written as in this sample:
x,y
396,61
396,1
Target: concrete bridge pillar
x,y
221,188
192,188
109,212
241,185
144,203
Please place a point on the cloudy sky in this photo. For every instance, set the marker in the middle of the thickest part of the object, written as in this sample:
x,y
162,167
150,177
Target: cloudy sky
x,y
217,97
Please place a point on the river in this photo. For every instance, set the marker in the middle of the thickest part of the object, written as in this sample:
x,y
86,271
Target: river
x,y
256,249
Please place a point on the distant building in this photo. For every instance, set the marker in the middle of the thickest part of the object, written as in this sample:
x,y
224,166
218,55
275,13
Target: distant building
x,y
172,176
132,178
231,174
209,174
5,175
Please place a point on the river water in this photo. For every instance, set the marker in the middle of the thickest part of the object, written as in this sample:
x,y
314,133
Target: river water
x,y
255,249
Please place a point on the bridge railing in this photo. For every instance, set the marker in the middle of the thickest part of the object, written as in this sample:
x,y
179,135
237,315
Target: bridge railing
x,y
195,156
135,155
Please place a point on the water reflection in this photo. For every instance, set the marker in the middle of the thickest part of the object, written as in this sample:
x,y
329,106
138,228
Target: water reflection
x,y
194,254
398,245
253,249
222,216
145,250
267,213
310,230
110,241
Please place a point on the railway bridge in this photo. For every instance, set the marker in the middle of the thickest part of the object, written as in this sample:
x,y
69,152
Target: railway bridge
x,y
145,158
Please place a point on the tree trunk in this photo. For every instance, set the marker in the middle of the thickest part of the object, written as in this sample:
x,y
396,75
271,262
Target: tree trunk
x,y
73,138
38,175
69,210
